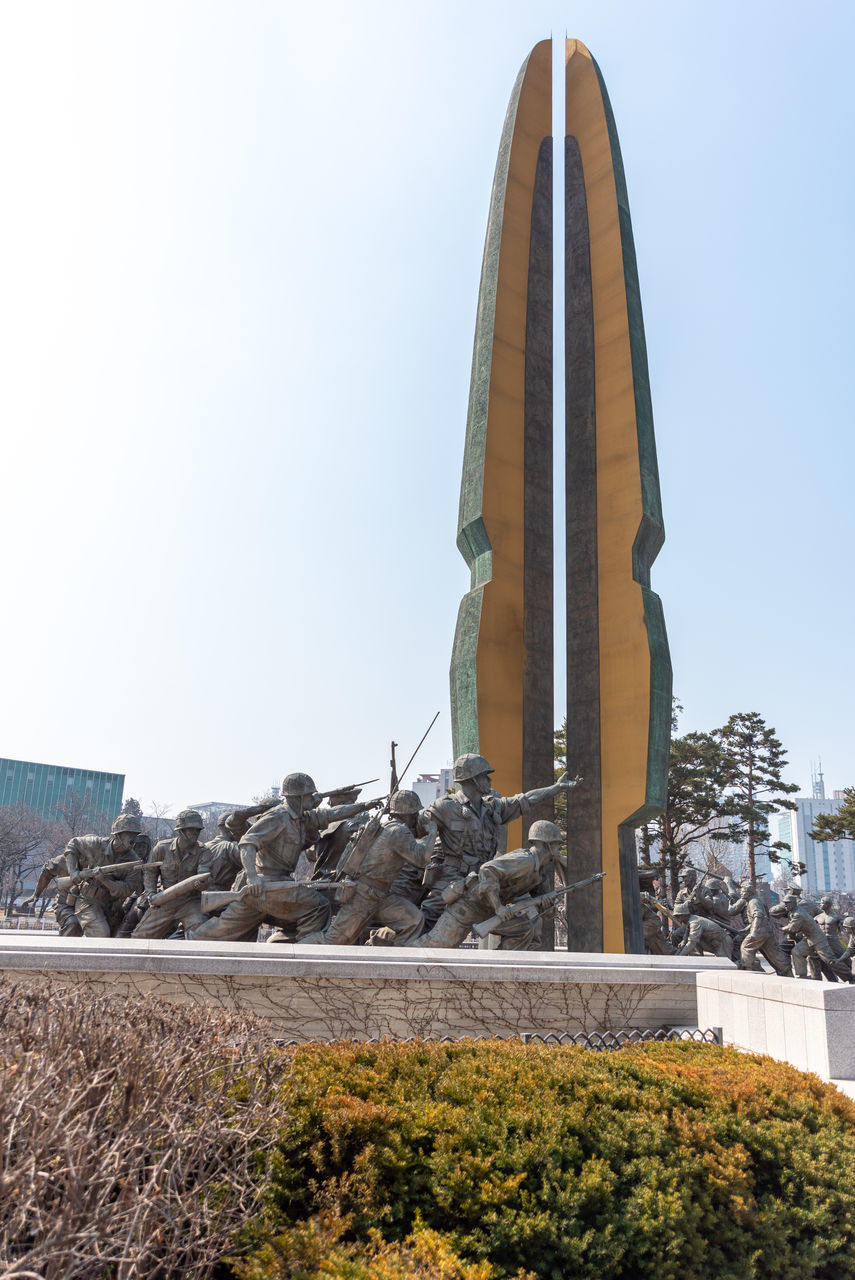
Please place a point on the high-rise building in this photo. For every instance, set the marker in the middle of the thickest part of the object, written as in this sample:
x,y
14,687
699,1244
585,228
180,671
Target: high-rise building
x,y
60,792
830,864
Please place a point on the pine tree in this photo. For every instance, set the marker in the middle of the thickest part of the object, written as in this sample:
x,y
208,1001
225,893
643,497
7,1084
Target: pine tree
x,y
837,826
757,786
133,807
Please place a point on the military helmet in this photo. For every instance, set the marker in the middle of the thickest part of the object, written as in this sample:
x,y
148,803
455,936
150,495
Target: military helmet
x,y
685,872
547,832
405,802
848,924
779,910
127,822
681,909
295,785
470,766
189,818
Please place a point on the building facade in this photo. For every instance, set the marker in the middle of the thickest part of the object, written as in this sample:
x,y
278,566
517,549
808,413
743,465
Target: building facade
x,y
830,864
61,792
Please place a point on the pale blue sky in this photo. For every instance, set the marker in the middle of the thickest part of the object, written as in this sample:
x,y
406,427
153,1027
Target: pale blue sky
x,y
241,248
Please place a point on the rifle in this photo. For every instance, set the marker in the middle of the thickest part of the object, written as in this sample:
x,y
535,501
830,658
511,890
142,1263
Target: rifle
x,y
180,890
531,907
733,930
356,786
353,856
213,899
64,883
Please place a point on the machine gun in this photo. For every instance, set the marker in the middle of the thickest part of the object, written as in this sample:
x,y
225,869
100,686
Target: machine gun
x,y
64,883
532,907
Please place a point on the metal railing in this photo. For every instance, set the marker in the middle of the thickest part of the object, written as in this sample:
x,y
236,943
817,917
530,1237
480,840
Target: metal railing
x,y
597,1041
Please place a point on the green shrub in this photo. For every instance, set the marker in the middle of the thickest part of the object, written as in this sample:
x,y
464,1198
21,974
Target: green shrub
x,y
673,1161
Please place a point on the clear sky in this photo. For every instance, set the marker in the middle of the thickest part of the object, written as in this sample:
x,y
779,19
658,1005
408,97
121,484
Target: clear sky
x,y
241,245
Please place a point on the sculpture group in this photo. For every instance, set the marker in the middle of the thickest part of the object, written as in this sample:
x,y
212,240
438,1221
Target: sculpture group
x,y
711,915
385,870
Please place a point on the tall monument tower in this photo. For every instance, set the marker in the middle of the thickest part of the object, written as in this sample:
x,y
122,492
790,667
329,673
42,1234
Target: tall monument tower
x,y
618,667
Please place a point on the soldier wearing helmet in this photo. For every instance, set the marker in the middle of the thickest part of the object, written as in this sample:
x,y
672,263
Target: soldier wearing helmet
x,y
400,840
181,857
469,823
509,878
703,936
269,853
97,901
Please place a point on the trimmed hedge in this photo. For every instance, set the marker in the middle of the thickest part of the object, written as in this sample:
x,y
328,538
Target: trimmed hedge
x,y
144,1141
668,1160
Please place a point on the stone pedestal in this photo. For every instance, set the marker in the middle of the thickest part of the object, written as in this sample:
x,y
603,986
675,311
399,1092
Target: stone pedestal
x,y
362,993
808,1024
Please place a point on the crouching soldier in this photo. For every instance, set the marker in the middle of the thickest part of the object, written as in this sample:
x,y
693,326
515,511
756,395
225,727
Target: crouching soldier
x,y
499,885
269,851
703,937
97,897
182,858
370,898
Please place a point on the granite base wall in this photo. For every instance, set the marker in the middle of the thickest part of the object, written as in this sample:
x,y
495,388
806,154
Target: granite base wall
x,y
363,993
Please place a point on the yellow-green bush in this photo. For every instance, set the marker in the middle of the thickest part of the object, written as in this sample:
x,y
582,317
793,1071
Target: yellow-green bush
x,y
673,1161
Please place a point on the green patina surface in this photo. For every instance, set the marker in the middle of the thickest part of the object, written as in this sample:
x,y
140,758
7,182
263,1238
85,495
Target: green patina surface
x,y
472,539
651,532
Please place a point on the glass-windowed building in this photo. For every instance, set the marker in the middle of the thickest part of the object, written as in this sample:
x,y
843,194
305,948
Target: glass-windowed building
x,y
830,865
58,791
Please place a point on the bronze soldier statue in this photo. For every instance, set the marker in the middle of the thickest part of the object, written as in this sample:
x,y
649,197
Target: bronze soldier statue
x,y
63,903
181,859
703,936
490,890
761,935
469,823
371,898
269,852
97,897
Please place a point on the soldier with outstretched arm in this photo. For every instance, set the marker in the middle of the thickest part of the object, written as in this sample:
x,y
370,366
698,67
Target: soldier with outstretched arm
x,y
469,823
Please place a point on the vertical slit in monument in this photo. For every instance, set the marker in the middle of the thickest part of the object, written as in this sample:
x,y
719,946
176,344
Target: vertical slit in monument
x,y
584,818
538,604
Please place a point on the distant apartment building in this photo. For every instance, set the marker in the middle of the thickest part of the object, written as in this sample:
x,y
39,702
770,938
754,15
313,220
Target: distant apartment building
x,y
213,810
60,792
430,786
830,864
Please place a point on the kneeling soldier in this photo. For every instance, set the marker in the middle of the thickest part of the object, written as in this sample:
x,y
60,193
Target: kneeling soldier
x,y
492,890
180,859
395,845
